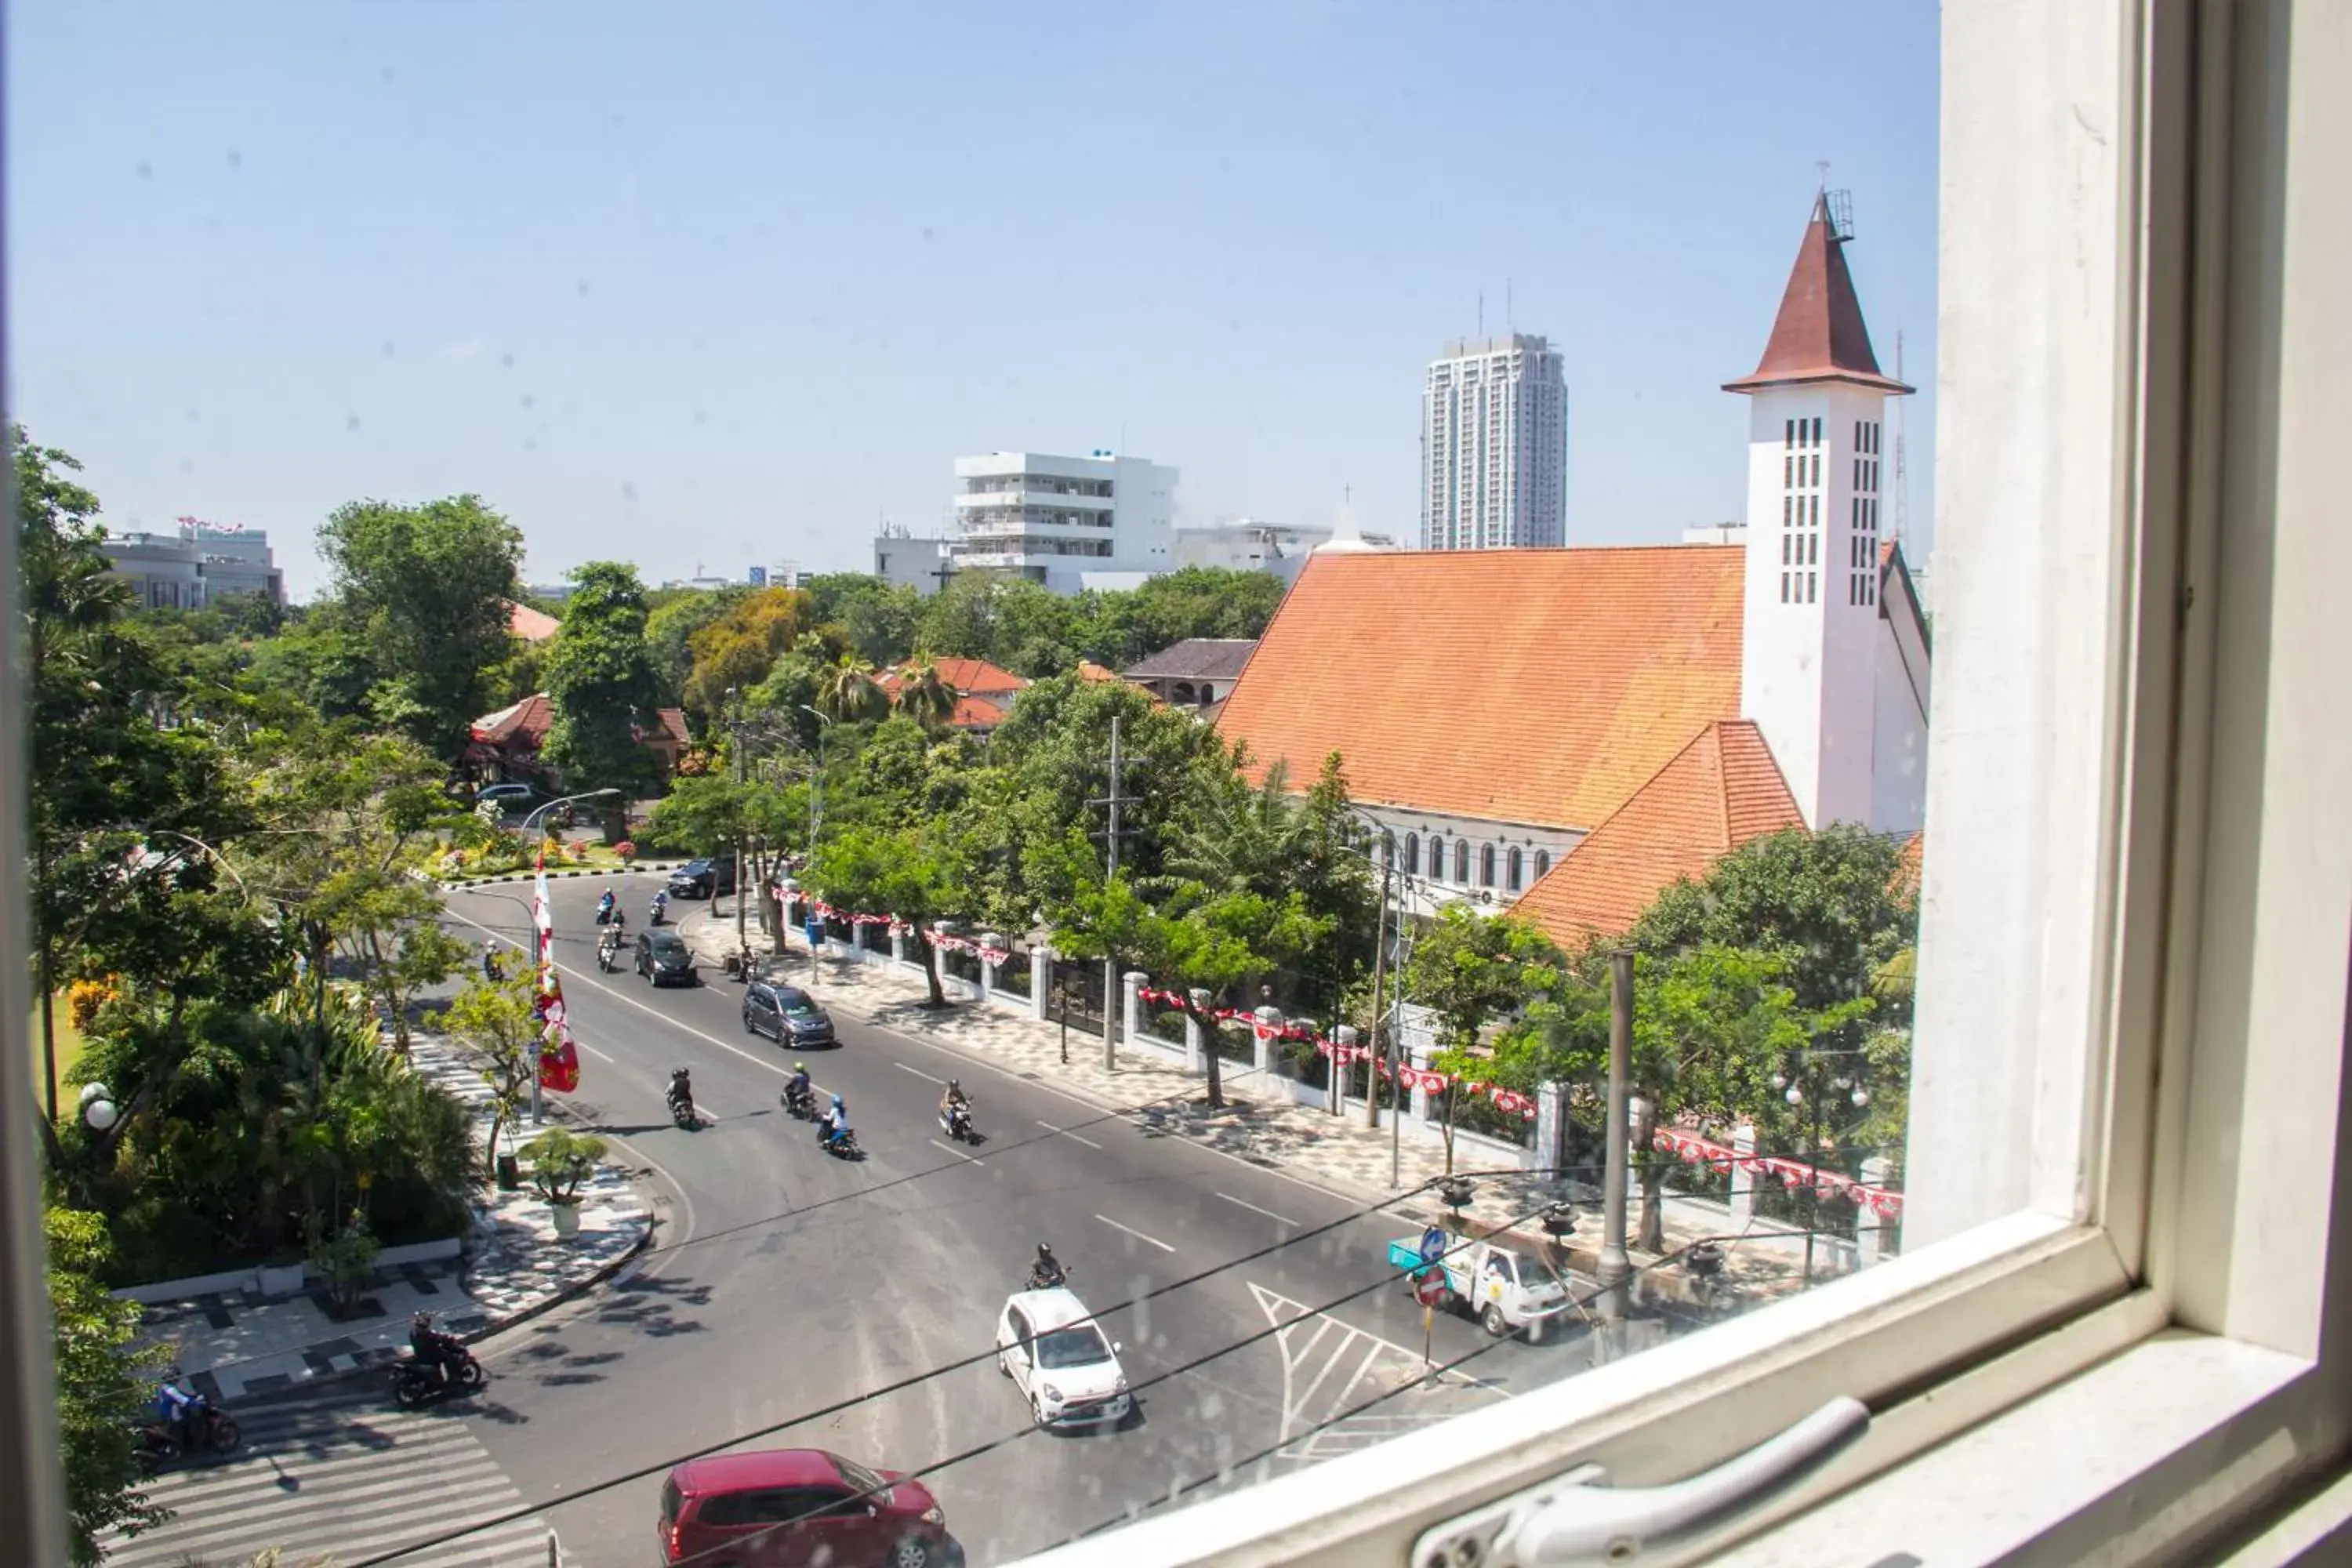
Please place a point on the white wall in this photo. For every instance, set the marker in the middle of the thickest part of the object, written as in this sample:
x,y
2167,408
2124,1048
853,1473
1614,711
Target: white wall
x,y
1898,773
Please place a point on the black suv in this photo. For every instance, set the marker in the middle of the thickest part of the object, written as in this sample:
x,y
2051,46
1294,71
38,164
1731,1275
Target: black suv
x,y
786,1013
703,879
663,958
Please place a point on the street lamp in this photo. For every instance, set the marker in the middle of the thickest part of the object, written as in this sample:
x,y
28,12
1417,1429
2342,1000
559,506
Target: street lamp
x,y
605,793
1380,964
537,1108
816,780
98,1106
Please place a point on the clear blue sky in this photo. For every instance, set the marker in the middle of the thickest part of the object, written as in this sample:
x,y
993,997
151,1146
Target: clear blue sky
x,y
723,284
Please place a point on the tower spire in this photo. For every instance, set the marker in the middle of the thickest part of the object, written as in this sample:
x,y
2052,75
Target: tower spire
x,y
1819,335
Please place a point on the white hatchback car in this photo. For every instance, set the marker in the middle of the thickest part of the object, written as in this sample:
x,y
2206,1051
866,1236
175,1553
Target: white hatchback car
x,y
1049,1345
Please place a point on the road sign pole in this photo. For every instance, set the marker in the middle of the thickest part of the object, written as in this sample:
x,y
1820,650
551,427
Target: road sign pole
x,y
1428,1331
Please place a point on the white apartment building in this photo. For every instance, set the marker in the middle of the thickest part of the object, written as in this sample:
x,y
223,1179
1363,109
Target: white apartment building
x,y
1251,544
1494,445
195,565
1099,520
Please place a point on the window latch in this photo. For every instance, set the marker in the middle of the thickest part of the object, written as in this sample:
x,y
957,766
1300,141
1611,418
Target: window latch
x,y
1577,1519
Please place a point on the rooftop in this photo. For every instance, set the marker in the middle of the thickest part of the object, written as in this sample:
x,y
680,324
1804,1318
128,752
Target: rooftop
x,y
1195,659
1819,335
1536,686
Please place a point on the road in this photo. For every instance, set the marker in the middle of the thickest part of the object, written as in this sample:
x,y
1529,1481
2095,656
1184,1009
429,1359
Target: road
x,y
783,1282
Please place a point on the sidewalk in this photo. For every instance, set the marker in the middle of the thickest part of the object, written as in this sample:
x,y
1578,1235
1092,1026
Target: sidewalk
x,y
1337,1153
237,1346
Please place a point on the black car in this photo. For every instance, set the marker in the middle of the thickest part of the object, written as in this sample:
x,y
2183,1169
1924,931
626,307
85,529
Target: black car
x,y
786,1013
663,958
703,879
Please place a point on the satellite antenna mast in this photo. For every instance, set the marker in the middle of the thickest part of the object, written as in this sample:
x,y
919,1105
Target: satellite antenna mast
x,y
1901,479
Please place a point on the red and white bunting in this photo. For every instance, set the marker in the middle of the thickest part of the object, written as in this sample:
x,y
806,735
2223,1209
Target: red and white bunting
x,y
1692,1149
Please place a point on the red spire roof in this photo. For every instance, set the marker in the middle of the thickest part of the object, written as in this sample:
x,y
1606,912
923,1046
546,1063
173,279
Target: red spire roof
x,y
1819,334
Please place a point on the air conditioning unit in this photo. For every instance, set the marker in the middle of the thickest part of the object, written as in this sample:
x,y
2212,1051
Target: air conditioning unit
x,y
1486,895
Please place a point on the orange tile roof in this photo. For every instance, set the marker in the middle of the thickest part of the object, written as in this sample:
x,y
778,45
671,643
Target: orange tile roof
x,y
1908,863
977,712
531,625
1538,685
1717,793
966,675
1089,671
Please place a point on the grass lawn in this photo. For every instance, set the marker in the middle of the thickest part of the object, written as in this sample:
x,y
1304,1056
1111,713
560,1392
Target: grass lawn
x,y
68,1049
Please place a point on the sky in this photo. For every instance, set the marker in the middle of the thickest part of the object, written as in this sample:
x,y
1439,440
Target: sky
x,y
706,286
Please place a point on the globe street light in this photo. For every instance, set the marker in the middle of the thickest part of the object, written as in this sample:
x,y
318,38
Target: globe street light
x,y
98,1106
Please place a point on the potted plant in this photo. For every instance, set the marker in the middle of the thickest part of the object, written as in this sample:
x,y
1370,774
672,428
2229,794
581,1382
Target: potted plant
x,y
559,1163
344,1263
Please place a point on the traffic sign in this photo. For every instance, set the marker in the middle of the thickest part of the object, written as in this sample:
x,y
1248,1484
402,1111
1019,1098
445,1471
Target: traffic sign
x,y
816,933
1433,1243
1429,1289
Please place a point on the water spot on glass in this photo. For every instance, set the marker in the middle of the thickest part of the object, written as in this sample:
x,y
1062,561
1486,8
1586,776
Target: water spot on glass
x,y
385,72
930,233
146,171
530,443
583,288
506,362
351,421
700,418
236,158
628,490
526,400
387,348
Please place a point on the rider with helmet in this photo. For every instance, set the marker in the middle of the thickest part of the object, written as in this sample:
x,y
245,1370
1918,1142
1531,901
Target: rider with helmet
x,y
438,1352
834,1127
1046,1274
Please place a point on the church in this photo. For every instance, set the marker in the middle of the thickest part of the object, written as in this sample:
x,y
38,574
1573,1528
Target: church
x,y
1567,731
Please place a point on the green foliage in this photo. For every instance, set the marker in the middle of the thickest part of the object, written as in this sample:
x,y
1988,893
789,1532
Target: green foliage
x,y
1035,632
670,629
917,871
735,650
428,589
560,1161
344,1259
493,1020
101,1387
600,685
848,692
925,696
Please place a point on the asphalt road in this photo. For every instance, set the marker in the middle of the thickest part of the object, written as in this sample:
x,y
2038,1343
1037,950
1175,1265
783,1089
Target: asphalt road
x,y
784,1282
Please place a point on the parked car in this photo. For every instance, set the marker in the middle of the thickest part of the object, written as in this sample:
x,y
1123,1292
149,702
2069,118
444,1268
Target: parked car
x,y
786,1013
798,1508
703,879
1049,1345
663,959
508,798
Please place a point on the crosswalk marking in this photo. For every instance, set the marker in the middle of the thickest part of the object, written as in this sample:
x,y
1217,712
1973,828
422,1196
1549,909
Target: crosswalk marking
x,y
346,1475
1331,1368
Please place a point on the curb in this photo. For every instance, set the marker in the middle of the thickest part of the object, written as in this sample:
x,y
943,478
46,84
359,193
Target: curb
x,y
459,884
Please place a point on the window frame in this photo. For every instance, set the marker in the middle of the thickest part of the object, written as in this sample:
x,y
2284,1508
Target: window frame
x,y
2192,954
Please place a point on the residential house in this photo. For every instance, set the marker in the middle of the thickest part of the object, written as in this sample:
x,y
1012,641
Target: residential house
x,y
984,693
505,745
1195,673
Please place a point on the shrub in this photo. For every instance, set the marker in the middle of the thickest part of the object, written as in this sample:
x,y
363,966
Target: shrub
x,y
560,1162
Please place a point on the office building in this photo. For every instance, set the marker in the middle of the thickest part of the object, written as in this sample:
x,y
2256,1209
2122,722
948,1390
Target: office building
x,y
1494,445
195,563
1103,520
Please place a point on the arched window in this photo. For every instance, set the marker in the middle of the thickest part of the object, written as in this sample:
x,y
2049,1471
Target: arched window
x,y
1543,864
1462,861
1513,871
1412,854
1486,865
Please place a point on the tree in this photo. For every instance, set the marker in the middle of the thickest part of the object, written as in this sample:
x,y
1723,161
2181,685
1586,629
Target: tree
x,y
432,586
495,1020
735,650
670,627
1467,970
848,692
925,697
916,871
601,687
101,1386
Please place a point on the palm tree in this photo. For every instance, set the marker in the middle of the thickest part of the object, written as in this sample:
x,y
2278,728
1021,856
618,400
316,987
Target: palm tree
x,y
1240,840
848,691
924,697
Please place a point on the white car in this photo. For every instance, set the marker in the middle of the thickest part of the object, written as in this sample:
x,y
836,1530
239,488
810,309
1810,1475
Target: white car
x,y
1050,1346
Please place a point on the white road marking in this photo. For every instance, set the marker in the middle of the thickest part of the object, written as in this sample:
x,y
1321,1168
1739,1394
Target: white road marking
x,y
1254,1209
918,1072
1137,1234
594,1052
959,1154
1070,1135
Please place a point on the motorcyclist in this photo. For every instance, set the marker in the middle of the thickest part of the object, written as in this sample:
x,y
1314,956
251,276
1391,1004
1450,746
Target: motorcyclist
x,y
179,1411
954,1104
605,906
435,1350
608,946
835,1125
661,907
1046,1274
681,1087
797,1089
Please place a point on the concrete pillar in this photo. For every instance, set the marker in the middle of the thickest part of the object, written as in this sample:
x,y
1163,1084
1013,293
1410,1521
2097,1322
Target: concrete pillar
x,y
1261,1048
1420,1058
1196,1045
1130,1005
1343,1038
1552,1130
1040,980
1874,1235
1743,1181
988,939
898,945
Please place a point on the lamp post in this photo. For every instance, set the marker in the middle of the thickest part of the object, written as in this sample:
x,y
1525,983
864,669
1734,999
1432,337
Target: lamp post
x,y
1807,1064
538,1110
1379,967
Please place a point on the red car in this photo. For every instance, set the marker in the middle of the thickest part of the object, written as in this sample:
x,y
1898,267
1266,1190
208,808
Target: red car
x,y
798,1508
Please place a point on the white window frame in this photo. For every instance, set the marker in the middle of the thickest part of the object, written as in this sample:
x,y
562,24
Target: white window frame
x,y
2114,1338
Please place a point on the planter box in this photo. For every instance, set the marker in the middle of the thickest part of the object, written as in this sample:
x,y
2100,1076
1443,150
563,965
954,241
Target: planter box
x,y
274,1283
566,1217
420,1252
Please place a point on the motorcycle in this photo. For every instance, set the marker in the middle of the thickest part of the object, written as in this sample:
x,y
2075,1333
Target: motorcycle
x,y
658,908
955,1120
604,913
608,957
1043,1279
415,1381
799,1100
681,1111
214,1431
843,1147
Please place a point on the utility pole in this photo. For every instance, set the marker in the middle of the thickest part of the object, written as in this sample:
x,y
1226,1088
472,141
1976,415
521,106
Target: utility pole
x,y
1380,963
742,887
1111,962
1615,1267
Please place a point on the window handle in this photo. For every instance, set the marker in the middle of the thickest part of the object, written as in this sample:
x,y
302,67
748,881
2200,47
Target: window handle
x,y
1576,1519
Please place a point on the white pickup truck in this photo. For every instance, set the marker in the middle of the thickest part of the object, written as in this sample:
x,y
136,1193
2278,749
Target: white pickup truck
x,y
1504,1290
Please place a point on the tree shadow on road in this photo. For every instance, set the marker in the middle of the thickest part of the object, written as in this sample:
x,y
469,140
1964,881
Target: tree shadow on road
x,y
650,1305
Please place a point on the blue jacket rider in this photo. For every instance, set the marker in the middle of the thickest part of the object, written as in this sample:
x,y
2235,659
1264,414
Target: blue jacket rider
x,y
177,1410
836,1121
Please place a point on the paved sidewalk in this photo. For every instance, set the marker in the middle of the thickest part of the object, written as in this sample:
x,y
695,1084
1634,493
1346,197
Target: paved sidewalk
x,y
1339,1154
237,1346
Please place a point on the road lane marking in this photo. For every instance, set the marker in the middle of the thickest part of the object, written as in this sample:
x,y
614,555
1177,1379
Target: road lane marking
x,y
918,1072
592,1051
959,1154
1254,1209
1137,1234
1070,1135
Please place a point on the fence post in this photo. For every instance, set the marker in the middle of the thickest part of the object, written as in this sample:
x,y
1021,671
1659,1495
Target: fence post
x,y
1194,1062
1552,1130
1742,1201
1130,1005
1420,1095
1041,980
989,942
1872,1239
1343,1038
898,945
1268,1020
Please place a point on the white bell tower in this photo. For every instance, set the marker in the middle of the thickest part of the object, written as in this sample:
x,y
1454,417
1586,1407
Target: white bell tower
x,y
1815,470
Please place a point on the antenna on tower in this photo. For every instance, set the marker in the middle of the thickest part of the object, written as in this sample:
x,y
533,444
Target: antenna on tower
x,y
1901,479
